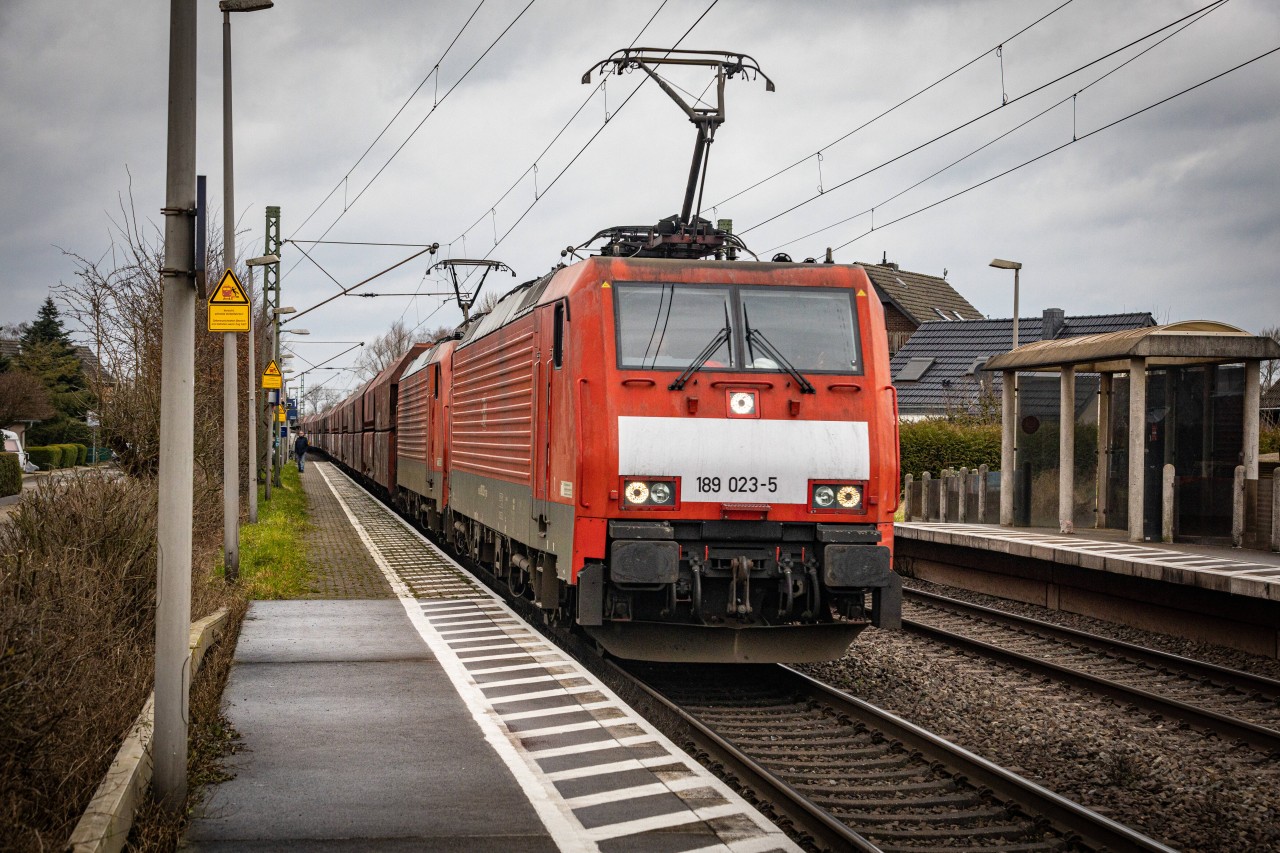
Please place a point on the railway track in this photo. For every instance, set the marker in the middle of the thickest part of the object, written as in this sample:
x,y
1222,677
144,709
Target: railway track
x,y
853,777
1234,705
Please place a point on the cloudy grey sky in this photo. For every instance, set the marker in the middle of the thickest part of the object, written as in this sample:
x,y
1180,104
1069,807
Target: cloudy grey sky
x,y
1174,211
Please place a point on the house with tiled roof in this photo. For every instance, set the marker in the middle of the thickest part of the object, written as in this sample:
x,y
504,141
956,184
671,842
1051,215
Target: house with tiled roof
x,y
911,299
939,370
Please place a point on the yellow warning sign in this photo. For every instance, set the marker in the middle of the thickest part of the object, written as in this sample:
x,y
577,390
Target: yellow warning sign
x,y
280,413
861,292
271,376
228,306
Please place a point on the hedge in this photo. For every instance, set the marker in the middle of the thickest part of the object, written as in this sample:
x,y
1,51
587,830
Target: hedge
x,y
82,454
10,475
931,445
69,455
47,458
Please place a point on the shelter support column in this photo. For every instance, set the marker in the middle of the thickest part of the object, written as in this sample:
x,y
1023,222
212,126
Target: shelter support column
x,y
1252,415
1137,444
1104,447
1067,450
1007,437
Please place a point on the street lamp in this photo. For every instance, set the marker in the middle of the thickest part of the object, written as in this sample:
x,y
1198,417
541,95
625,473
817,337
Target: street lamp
x,y
1009,411
255,421
231,431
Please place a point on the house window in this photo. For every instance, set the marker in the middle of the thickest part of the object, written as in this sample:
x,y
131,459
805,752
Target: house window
x,y
914,369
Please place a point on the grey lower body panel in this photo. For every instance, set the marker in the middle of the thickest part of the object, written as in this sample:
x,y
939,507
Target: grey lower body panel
x,y
509,509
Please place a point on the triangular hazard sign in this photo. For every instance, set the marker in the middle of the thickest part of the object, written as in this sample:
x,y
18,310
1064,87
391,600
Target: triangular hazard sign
x,y
271,370
229,291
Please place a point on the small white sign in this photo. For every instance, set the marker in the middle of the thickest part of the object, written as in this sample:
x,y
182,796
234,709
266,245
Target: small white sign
x,y
566,489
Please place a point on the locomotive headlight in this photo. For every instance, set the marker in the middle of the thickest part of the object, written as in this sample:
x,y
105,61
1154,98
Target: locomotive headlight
x,y
849,497
660,493
824,496
636,492
742,403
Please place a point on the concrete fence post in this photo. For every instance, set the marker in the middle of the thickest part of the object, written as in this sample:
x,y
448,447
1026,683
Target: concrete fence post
x,y
1275,509
1166,505
982,493
925,507
1237,508
906,497
943,482
963,510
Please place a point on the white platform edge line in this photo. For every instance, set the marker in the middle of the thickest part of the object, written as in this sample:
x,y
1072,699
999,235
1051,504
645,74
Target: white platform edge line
x,y
565,830
676,754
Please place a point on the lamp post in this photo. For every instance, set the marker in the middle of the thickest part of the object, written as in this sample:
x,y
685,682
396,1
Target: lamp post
x,y
230,426
252,389
1009,410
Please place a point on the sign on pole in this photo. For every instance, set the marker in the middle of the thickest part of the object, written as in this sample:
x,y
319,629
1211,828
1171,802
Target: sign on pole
x,y
271,376
280,413
229,306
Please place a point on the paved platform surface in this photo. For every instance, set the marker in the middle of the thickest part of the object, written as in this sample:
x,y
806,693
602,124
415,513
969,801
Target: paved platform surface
x,y
437,720
340,562
1250,573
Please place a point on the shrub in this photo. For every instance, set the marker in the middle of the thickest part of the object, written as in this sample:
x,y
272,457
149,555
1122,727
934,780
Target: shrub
x,y
82,454
69,455
934,444
10,475
77,618
47,458
1269,439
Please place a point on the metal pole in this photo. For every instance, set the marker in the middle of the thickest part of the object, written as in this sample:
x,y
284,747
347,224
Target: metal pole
x,y
275,423
230,423
177,415
251,393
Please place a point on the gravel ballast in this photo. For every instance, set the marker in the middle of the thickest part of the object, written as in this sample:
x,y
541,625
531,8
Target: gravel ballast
x,y
1179,785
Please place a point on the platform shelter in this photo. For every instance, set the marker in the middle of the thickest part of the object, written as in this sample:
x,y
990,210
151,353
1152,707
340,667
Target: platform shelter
x,y
1184,394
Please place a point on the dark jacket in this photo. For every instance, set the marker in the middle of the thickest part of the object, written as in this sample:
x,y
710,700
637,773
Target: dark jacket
x,y
300,445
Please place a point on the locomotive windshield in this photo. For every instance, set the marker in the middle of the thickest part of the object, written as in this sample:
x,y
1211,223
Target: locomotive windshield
x,y
667,326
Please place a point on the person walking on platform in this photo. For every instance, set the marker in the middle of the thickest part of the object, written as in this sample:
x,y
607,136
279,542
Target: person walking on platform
x,y
300,445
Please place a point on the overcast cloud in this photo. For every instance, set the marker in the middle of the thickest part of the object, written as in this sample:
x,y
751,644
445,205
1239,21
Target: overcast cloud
x,y
1173,212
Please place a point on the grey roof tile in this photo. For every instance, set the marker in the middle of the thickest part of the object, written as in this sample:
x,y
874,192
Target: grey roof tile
x,y
950,382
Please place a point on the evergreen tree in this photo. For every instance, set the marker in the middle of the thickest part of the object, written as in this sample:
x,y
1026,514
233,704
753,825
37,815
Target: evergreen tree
x,y
47,328
47,354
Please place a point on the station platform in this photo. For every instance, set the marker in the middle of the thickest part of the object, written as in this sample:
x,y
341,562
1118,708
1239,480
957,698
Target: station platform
x,y
420,712
1217,594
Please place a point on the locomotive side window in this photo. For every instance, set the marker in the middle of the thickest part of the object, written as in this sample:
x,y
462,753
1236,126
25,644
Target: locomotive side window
x,y
813,329
667,326
557,340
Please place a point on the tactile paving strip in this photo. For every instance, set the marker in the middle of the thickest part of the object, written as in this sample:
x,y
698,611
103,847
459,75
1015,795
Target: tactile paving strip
x,y
607,779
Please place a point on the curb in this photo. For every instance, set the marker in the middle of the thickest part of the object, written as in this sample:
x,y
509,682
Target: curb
x,y
104,826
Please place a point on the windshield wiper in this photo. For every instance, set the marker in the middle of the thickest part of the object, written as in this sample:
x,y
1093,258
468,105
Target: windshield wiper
x,y
755,336
721,338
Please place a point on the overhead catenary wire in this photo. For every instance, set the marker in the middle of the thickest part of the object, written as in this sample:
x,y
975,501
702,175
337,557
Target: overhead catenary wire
x,y
980,117
896,106
435,69
418,127
594,136
871,210
533,167
1067,144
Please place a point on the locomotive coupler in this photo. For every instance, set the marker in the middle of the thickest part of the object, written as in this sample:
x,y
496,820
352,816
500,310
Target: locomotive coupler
x,y
741,568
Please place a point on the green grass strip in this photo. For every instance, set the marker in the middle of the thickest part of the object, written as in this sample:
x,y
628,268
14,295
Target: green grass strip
x,y
273,555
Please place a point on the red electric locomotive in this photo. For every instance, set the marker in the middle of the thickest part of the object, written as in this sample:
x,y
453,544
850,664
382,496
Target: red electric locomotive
x,y
687,459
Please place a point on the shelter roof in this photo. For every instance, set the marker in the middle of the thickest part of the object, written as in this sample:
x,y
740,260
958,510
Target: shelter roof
x,y
956,352
1175,344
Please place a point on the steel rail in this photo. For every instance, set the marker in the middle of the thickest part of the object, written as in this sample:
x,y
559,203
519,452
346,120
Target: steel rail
x,y
1154,657
1260,737
1095,829
804,816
